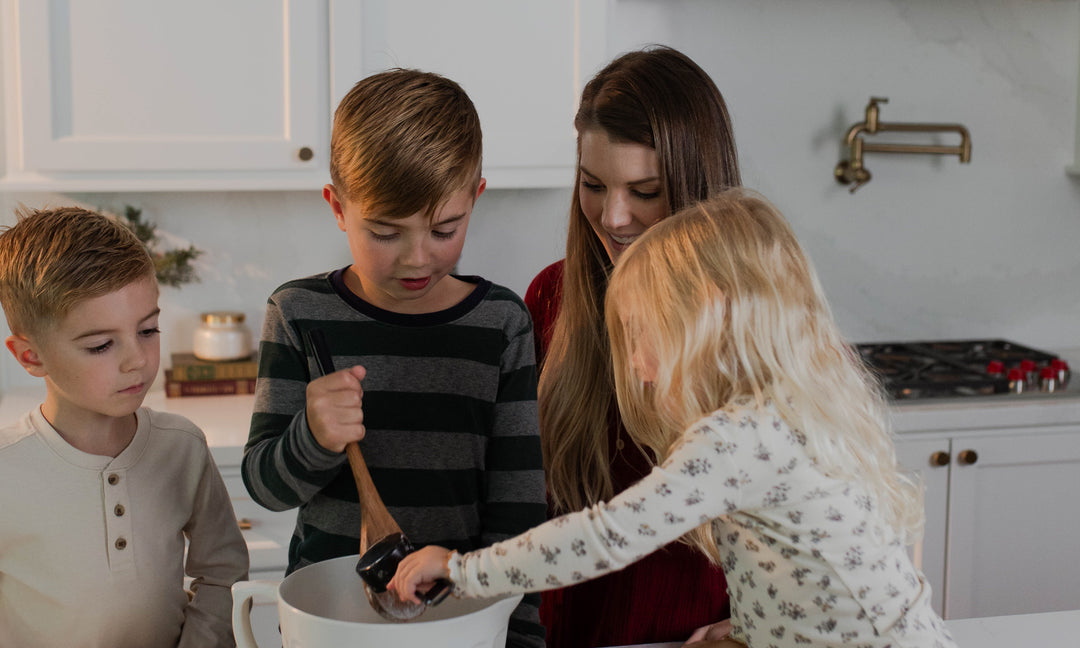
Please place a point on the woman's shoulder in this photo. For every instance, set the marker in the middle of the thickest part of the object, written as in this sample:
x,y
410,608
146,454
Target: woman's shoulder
x,y
546,285
543,299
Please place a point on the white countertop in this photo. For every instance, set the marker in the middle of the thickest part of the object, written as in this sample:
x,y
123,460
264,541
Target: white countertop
x,y
224,420
988,412
1046,630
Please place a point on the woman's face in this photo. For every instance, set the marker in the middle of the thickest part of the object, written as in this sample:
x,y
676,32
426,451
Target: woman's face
x,y
621,193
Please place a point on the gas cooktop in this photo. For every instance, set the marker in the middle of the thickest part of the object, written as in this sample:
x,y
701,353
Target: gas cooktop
x,y
962,368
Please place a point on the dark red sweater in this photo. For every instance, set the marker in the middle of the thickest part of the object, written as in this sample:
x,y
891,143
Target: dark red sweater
x,y
663,597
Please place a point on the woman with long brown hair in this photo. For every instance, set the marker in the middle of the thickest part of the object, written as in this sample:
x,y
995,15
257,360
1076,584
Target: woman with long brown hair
x,y
654,136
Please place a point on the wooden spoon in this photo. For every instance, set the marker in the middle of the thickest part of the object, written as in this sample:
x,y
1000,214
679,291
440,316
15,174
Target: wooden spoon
x,y
376,523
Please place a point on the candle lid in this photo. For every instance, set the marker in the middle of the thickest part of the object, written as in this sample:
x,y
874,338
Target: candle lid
x,y
223,317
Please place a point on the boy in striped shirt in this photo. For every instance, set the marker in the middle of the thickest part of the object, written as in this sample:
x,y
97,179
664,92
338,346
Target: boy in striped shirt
x,y
436,376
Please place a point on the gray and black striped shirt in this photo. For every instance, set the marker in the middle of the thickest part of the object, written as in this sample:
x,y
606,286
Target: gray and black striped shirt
x,y
452,438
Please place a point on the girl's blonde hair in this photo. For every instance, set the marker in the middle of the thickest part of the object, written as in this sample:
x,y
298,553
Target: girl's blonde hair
x,y
659,98
731,306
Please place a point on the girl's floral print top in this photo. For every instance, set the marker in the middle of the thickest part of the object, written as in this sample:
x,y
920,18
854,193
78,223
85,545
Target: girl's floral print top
x,y
808,561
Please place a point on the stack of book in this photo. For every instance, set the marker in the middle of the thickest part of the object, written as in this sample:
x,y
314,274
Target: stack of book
x,y
190,376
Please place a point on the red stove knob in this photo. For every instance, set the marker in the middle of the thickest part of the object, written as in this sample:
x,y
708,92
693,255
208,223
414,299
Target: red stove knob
x,y
1061,369
996,368
1027,367
1048,379
1016,381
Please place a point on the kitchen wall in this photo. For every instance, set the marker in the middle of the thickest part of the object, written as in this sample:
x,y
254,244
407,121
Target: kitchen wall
x,y
930,248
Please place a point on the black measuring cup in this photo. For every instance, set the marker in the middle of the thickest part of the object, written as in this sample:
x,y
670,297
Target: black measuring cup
x,y
380,562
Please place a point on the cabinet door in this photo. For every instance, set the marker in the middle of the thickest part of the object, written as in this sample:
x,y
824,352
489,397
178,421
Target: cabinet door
x,y
201,85
267,533
522,63
1014,524
927,461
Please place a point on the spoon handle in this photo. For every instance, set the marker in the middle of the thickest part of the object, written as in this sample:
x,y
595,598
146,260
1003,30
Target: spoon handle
x,y
375,522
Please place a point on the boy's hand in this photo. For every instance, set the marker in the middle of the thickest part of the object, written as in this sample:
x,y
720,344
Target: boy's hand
x,y
419,570
335,412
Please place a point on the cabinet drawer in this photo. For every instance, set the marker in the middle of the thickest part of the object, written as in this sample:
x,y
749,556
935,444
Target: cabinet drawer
x,y
266,532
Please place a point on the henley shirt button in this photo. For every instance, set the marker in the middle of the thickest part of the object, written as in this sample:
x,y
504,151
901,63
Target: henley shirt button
x,y
121,543
114,479
619,444
119,510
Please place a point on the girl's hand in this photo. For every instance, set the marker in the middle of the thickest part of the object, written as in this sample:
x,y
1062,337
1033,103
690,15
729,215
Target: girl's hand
x,y
418,571
714,632
335,411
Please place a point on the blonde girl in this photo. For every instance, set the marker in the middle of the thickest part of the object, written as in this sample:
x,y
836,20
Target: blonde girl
x,y
777,461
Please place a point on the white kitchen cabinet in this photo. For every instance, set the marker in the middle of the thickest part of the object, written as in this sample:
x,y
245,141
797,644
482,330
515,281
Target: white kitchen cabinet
x,y
1014,523
134,95
126,95
267,532
1012,520
522,63
923,459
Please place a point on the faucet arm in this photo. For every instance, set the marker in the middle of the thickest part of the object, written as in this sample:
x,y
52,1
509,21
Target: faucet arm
x,y
962,150
852,171
853,132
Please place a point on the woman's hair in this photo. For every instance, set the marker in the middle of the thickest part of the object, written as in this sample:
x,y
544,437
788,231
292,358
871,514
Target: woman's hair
x,y
725,297
659,98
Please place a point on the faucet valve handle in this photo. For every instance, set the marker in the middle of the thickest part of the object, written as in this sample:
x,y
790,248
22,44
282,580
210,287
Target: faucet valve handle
x,y
848,173
860,176
872,113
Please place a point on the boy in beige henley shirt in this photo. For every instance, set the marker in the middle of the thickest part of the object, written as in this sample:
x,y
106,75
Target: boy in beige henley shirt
x,y
98,494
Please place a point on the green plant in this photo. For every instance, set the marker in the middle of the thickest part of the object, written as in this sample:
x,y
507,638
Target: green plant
x,y
173,266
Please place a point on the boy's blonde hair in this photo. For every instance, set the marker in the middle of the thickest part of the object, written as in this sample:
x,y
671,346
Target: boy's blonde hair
x,y
403,141
52,259
733,310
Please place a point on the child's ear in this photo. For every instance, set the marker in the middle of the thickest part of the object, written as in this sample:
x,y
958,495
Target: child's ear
x,y
25,355
329,194
480,188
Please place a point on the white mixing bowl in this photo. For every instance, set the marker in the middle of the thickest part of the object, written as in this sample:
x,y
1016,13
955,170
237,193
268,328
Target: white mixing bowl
x,y
324,605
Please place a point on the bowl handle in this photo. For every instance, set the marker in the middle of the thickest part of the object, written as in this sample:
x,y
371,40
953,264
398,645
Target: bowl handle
x,y
243,595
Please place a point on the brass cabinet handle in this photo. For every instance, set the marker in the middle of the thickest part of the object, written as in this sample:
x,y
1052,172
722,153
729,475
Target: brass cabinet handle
x,y
940,458
967,457
305,154
244,524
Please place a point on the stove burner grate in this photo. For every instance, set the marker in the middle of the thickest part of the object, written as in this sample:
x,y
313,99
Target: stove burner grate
x,y
949,368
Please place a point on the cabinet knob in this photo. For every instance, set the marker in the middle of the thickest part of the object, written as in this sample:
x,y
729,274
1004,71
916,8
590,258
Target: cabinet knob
x,y
244,524
939,458
967,457
305,154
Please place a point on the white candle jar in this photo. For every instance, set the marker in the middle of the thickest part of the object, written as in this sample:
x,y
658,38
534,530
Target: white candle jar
x,y
222,335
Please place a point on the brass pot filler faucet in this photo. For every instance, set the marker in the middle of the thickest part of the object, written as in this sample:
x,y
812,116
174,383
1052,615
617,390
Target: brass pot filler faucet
x,y
852,170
